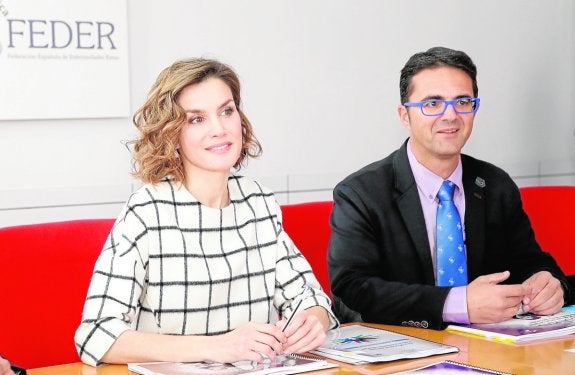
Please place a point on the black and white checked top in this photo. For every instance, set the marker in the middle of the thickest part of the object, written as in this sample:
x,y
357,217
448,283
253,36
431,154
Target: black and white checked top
x,y
174,266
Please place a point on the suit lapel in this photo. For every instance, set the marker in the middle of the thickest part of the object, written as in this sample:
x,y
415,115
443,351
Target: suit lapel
x,y
474,187
409,205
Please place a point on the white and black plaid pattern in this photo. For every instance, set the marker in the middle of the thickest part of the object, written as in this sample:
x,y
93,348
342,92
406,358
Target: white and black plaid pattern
x,y
174,266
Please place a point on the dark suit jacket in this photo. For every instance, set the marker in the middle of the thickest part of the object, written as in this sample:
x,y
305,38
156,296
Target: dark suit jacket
x,y
379,258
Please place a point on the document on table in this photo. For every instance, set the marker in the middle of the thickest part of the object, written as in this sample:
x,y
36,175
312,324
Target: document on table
x,y
282,365
359,344
450,367
522,328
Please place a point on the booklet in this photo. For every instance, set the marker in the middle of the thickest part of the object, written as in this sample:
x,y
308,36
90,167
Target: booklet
x,y
522,328
284,364
359,344
450,367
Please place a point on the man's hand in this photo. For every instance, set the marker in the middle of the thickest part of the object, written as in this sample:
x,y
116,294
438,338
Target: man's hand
x,y
488,302
545,296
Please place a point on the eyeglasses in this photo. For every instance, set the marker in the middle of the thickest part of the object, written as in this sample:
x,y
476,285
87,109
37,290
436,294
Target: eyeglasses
x,y
437,107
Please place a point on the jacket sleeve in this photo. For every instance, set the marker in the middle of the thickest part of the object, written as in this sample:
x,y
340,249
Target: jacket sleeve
x,y
524,256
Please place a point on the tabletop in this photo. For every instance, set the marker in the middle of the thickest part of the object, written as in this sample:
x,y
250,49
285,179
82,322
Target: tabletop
x,y
548,357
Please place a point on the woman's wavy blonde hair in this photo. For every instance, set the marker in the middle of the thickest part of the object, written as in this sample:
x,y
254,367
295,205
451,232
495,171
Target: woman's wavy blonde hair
x,y
161,119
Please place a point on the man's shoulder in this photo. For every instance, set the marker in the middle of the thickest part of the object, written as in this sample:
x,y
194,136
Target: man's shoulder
x,y
479,175
377,170
483,169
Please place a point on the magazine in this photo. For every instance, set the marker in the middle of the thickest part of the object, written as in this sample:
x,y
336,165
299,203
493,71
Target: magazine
x,y
450,367
522,328
284,364
358,344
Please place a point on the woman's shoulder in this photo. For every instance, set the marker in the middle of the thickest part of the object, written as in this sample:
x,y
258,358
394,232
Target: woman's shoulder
x,y
248,186
149,192
246,190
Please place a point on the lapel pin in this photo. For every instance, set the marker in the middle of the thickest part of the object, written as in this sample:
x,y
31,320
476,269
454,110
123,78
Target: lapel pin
x,y
480,182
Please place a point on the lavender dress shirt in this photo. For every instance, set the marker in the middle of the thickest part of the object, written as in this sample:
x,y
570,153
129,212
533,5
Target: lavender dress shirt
x,y
428,184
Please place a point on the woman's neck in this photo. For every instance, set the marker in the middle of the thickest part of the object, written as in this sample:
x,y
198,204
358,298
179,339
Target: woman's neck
x,y
209,188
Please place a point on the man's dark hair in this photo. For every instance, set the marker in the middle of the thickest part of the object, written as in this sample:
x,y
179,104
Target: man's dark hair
x,y
435,57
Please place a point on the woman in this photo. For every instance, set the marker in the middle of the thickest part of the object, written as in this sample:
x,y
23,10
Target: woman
x,y
5,368
197,265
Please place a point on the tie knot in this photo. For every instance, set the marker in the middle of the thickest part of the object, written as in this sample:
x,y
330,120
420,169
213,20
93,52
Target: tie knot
x,y
446,191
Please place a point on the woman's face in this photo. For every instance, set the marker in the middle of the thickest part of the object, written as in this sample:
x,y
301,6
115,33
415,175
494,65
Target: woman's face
x,y
211,139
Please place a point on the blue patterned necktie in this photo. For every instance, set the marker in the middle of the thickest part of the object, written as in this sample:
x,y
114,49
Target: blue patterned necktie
x,y
451,258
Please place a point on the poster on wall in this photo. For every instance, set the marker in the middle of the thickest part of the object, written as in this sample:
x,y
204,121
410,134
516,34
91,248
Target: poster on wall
x,y
62,59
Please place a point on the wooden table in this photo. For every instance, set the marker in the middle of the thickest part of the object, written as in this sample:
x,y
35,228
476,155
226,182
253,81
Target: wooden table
x,y
537,358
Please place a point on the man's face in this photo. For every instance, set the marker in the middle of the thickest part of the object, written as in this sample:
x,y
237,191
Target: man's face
x,y
437,140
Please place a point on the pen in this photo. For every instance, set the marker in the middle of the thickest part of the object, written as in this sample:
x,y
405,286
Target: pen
x,y
288,321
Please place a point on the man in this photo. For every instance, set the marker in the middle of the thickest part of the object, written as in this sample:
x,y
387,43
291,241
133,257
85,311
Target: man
x,y
389,258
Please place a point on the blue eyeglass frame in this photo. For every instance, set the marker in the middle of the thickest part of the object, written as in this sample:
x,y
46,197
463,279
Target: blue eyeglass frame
x,y
447,104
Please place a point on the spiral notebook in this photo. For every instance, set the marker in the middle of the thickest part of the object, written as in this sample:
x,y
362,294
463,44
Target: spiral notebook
x,y
522,328
284,364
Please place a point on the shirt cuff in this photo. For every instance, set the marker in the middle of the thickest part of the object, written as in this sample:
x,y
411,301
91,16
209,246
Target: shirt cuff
x,y
455,307
95,340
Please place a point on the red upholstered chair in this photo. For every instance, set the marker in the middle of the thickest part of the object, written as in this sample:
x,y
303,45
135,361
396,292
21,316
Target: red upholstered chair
x,y
308,226
551,210
45,270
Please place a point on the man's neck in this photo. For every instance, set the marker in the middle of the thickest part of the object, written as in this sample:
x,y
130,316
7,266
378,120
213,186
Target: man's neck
x,y
442,167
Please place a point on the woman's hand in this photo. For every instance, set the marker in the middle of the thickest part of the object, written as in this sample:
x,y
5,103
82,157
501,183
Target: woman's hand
x,y
5,367
251,341
306,331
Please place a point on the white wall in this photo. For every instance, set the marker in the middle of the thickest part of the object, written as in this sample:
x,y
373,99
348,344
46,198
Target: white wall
x,y
320,84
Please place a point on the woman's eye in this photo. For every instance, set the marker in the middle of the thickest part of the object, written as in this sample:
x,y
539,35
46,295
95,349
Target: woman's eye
x,y
195,120
228,111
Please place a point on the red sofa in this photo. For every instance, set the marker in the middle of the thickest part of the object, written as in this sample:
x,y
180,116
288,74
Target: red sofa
x,y
44,276
46,270
308,226
551,210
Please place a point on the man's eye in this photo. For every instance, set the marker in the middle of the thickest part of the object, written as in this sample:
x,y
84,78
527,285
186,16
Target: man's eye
x,y
463,102
431,103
